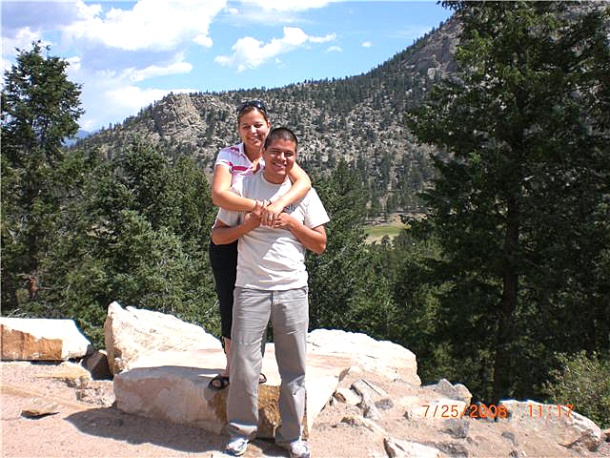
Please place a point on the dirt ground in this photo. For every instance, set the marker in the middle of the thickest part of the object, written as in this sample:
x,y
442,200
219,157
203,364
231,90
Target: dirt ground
x,y
84,429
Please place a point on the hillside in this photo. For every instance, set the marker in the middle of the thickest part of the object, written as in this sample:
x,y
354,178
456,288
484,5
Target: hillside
x,y
359,119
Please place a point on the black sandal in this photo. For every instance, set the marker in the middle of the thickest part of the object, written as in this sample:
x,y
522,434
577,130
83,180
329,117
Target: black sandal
x,y
218,383
262,378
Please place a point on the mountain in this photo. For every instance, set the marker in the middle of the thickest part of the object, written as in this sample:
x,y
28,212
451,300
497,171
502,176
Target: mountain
x,y
359,119
81,134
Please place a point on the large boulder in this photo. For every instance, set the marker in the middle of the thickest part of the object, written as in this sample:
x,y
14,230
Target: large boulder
x,y
571,429
39,339
132,333
382,357
173,386
163,366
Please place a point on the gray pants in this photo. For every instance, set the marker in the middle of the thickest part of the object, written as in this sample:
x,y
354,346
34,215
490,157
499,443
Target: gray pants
x,y
289,315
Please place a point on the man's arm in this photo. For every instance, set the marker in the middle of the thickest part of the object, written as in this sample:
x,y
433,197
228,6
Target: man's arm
x,y
223,234
312,239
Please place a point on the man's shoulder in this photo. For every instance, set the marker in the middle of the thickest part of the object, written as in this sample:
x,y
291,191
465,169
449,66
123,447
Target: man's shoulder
x,y
250,184
311,195
309,201
251,180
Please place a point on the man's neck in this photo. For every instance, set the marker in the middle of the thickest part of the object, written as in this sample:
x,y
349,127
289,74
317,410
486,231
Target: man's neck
x,y
273,179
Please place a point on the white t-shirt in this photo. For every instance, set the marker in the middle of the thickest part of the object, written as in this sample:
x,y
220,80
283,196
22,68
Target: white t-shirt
x,y
273,259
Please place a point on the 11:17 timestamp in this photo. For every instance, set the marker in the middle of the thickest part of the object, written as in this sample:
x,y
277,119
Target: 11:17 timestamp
x,y
549,411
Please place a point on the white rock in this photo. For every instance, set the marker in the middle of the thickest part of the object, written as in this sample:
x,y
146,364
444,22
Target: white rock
x,y
382,357
571,429
132,333
173,386
438,409
40,339
396,448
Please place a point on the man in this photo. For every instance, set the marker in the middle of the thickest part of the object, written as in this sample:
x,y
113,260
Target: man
x,y
271,285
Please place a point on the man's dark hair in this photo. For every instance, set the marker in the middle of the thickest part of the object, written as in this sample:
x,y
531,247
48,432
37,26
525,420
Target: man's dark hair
x,y
281,133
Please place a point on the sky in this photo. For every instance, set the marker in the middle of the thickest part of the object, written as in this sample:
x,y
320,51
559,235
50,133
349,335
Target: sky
x,y
127,55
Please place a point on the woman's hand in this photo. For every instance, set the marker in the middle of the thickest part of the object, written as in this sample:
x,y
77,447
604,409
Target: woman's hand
x,y
259,208
271,213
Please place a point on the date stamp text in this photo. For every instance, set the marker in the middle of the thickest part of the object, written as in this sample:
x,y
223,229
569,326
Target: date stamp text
x,y
501,411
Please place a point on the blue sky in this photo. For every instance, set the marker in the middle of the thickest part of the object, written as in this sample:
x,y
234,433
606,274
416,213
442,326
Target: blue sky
x,y
129,54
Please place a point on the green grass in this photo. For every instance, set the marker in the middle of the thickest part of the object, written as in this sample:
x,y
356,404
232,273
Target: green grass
x,y
376,233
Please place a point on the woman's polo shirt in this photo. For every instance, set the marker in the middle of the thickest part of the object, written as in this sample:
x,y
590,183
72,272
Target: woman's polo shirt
x,y
239,164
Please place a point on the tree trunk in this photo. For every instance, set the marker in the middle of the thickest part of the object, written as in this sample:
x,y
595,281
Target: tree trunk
x,y
508,306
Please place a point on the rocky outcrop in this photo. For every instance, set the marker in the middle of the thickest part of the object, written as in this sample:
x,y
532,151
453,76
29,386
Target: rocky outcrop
x,y
573,430
173,386
387,358
411,421
177,117
356,386
42,340
163,368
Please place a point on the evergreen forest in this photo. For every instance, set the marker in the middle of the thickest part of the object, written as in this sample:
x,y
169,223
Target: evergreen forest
x,y
504,285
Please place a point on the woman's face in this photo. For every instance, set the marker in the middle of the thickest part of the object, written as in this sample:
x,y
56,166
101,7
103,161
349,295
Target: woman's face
x,y
253,129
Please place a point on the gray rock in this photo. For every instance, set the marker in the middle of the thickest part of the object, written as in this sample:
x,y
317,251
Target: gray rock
x,y
457,428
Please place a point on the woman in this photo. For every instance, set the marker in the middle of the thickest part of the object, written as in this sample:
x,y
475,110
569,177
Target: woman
x,y
233,163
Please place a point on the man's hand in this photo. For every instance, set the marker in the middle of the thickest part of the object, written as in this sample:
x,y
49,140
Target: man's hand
x,y
314,239
283,221
251,221
223,234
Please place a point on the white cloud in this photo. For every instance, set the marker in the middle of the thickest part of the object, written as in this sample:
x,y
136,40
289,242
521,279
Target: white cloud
x,y
174,68
74,64
334,49
248,52
132,98
272,12
367,44
324,39
117,92
149,25
22,40
120,102
288,5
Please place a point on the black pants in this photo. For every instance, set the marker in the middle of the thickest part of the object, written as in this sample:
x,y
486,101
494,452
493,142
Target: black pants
x,y
223,259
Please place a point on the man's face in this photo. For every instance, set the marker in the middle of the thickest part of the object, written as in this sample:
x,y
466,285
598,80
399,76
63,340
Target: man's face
x,y
279,160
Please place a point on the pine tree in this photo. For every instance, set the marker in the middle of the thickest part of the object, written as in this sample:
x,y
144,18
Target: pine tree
x,y
520,205
40,108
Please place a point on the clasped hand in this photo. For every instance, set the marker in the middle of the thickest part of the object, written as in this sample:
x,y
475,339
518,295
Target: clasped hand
x,y
269,214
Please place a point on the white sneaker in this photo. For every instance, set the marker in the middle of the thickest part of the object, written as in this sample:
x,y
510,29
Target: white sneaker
x,y
237,446
299,449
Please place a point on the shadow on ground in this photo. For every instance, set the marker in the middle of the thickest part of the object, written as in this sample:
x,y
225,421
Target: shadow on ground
x,y
134,430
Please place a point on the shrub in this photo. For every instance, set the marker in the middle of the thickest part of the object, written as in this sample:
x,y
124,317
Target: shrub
x,y
583,381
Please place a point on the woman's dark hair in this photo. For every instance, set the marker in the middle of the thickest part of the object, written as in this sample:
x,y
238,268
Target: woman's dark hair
x,y
251,105
281,133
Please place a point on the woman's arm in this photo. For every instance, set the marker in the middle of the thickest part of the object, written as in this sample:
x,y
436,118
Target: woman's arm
x,y
301,184
222,196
